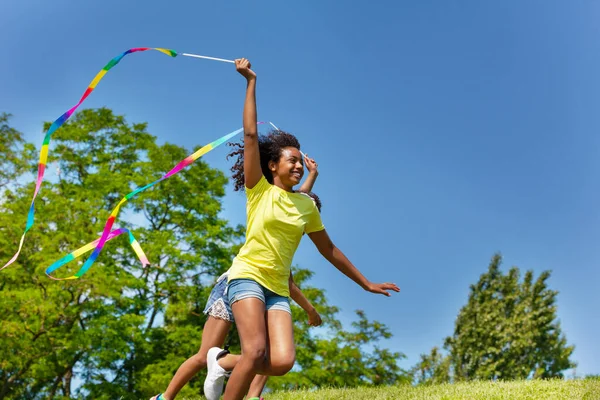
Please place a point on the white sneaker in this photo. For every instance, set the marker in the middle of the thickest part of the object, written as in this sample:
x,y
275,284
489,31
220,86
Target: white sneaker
x,y
215,377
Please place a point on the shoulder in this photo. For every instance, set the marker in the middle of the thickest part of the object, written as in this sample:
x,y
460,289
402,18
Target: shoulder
x,y
304,203
261,187
309,201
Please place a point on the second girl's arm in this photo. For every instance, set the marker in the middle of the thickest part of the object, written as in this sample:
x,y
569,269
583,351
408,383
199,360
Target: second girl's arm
x,y
314,319
313,172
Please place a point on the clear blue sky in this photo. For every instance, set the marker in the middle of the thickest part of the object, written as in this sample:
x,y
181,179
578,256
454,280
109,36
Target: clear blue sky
x,y
444,131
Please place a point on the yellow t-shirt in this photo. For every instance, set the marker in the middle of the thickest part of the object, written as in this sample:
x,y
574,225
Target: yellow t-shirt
x,y
275,222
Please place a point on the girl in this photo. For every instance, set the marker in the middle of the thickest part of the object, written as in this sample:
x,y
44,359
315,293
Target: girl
x,y
277,217
220,319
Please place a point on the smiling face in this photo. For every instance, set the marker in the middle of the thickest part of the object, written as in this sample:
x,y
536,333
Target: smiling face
x,y
289,169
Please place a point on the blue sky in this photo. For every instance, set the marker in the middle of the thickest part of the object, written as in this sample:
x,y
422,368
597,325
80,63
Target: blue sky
x,y
444,131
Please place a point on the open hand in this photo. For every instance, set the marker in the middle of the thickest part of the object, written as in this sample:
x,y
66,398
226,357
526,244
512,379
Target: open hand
x,y
382,288
242,65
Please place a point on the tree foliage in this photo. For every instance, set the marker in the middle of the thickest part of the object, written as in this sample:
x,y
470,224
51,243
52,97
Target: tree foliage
x,y
507,330
14,152
432,368
121,331
105,326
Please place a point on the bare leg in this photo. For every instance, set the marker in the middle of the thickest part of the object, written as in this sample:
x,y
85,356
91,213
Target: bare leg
x,y
214,335
249,317
257,386
252,323
228,361
282,351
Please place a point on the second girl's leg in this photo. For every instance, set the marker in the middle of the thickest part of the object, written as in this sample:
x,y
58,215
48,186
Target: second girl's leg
x,y
214,335
257,386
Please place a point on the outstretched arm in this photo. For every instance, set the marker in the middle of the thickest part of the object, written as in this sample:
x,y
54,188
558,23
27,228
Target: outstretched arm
x,y
252,171
340,261
312,167
314,319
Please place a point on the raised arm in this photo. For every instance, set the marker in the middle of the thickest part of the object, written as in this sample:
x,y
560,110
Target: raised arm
x,y
252,171
340,261
314,319
313,172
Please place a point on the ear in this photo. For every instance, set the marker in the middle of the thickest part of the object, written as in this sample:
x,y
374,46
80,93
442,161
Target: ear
x,y
272,166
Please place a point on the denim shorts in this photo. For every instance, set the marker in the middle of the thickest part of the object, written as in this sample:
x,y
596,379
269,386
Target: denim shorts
x,y
217,305
240,289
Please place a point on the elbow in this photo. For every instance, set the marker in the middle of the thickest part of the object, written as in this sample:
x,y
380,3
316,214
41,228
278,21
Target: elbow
x,y
250,137
327,251
250,134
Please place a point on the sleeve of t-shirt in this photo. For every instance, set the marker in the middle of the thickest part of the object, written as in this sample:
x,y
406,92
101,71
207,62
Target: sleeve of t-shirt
x,y
314,223
261,187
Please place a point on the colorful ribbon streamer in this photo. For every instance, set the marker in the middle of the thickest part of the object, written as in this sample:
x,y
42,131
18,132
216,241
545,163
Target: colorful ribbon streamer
x,y
113,215
81,251
107,234
58,123
63,118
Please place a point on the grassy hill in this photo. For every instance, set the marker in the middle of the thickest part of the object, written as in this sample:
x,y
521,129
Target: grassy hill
x,y
586,389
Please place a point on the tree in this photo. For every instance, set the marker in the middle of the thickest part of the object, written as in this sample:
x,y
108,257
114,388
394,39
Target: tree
x,y
13,152
109,327
508,329
433,368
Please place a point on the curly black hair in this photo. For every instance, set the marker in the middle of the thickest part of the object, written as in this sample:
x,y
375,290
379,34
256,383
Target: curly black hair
x,y
269,146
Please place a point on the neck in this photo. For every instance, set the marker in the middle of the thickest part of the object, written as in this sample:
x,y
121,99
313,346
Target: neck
x,y
277,182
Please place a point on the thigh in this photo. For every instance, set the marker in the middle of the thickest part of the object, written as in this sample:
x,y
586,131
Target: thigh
x,y
247,301
249,314
280,333
214,334
280,330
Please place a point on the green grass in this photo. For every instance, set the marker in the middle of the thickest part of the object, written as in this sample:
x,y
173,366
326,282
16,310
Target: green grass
x,y
586,389
581,389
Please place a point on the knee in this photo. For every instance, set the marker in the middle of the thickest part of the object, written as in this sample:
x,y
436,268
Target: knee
x,y
255,354
283,364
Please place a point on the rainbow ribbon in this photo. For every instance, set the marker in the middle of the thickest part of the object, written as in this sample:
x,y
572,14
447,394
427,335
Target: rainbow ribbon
x,y
106,233
81,251
58,123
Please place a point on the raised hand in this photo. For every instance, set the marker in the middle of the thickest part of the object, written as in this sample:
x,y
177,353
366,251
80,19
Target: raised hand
x,y
242,65
311,164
